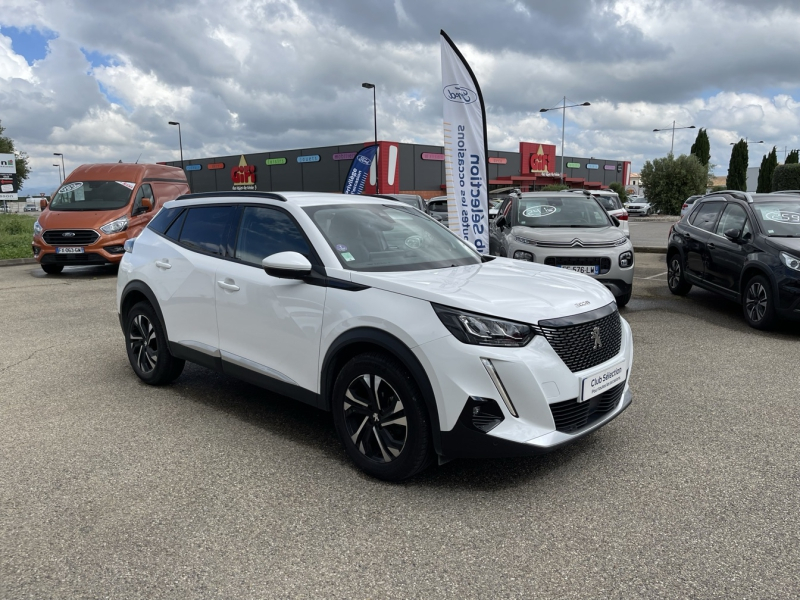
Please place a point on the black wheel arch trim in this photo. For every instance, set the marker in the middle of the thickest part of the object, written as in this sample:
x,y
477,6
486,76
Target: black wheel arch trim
x,y
142,288
762,270
396,348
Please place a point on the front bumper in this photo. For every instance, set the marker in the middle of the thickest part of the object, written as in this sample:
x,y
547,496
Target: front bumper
x,y
537,383
108,249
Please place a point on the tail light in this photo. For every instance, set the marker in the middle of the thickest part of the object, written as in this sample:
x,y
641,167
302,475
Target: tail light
x,y
623,216
685,206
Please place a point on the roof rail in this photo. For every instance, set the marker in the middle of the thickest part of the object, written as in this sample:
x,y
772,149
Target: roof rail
x,y
786,192
250,194
738,194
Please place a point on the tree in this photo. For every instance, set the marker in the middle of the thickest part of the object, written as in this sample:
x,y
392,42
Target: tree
x,y
737,168
669,181
702,147
21,159
792,158
768,164
620,189
786,177
555,187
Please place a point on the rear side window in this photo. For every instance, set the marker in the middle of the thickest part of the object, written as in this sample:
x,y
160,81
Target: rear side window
x,y
705,217
163,219
267,231
174,230
210,229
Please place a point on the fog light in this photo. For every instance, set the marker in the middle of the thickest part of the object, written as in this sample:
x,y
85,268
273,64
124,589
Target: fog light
x,y
626,259
483,414
36,250
522,255
115,249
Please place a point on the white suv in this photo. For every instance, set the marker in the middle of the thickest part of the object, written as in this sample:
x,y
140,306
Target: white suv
x,y
370,309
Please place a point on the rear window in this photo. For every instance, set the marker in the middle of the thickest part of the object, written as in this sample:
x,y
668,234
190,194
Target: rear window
x,y
609,202
163,219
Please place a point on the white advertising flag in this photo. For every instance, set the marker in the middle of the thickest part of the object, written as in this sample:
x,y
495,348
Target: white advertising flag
x,y
464,149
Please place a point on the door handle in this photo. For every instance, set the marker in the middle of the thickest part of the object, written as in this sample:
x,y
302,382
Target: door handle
x,y
162,264
711,246
228,286
687,236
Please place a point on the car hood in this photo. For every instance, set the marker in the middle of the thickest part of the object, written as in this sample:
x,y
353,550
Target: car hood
x,y
788,244
79,219
568,234
503,287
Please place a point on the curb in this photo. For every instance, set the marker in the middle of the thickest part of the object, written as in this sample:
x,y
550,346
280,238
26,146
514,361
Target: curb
x,y
649,250
13,262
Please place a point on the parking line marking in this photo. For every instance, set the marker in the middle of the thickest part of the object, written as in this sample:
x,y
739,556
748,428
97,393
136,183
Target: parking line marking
x,y
654,276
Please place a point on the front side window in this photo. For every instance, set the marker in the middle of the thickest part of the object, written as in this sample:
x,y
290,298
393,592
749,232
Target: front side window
x,y
372,237
267,231
92,195
705,217
542,211
210,229
734,217
779,218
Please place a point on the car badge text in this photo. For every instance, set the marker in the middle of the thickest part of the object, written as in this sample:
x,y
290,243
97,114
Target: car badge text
x,y
598,343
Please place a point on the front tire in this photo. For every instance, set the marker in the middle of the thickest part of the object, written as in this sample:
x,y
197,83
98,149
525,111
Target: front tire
x,y
379,414
147,347
758,303
624,299
676,276
52,269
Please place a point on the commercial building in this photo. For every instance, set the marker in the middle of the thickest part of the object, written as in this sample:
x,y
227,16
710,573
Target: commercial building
x,y
400,168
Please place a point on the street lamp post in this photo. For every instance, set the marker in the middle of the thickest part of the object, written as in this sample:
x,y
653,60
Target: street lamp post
x,y
180,141
746,142
63,168
672,145
371,86
563,108
59,171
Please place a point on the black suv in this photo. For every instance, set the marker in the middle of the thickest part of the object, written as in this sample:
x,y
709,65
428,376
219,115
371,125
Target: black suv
x,y
743,246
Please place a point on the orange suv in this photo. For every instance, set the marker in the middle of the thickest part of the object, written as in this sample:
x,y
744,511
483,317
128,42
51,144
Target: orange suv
x,y
97,209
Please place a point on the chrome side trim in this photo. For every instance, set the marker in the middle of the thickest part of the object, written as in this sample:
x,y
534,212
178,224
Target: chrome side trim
x,y
201,347
499,385
257,367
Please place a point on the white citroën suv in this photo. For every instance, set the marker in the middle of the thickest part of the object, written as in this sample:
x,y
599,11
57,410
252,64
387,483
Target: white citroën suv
x,y
369,309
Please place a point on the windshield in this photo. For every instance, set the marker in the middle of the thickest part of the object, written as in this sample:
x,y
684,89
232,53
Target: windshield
x,y
407,199
779,218
579,211
93,195
371,237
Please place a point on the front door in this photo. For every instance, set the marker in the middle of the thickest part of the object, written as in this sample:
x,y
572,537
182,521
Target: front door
x,y
268,325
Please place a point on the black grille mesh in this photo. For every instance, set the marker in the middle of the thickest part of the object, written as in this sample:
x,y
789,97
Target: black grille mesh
x,y
576,346
571,415
81,237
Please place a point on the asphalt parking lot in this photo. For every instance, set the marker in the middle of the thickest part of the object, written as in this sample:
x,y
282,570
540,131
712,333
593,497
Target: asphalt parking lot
x,y
210,488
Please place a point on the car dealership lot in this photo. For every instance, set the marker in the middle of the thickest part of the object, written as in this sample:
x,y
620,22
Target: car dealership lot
x,y
210,488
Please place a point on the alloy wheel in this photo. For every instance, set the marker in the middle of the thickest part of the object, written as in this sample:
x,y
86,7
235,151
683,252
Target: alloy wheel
x,y
674,274
143,343
375,418
756,302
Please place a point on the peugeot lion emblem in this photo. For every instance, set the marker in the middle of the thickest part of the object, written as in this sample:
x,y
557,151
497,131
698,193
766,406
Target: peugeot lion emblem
x,y
598,343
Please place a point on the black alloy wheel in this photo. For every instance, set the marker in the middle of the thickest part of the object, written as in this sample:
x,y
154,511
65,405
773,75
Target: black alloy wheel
x,y
147,347
380,417
758,306
676,278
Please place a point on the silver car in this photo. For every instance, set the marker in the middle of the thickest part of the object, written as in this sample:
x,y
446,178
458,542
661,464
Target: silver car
x,y
568,231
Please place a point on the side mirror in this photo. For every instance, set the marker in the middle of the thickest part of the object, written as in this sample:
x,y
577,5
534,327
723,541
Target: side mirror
x,y
500,221
42,203
146,206
287,265
615,221
733,235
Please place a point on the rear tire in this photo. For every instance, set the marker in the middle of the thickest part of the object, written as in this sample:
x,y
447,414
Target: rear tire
x,y
147,347
758,303
676,276
380,417
52,269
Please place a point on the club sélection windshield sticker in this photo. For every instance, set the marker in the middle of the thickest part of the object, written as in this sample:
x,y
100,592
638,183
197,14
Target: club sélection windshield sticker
x,y
70,187
127,184
539,211
414,241
341,247
783,216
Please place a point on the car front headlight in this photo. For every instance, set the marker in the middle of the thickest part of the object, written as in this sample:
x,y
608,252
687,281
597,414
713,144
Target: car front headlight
x,y
626,259
480,330
522,255
37,229
115,226
790,261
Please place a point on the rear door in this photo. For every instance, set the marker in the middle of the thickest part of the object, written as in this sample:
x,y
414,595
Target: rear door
x,y
696,237
727,258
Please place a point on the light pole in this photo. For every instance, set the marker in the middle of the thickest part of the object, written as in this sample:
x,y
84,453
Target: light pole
x,y
59,171
563,108
180,141
63,168
371,86
672,145
746,142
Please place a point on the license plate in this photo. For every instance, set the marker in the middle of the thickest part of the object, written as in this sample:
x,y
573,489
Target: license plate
x,y
602,381
588,270
69,250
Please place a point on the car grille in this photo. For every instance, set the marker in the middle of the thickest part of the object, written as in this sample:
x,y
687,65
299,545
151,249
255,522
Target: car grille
x,y
571,415
576,344
576,243
79,237
583,261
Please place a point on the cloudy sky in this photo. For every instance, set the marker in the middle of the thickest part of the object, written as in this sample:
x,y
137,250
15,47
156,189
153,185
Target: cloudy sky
x,y
98,80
